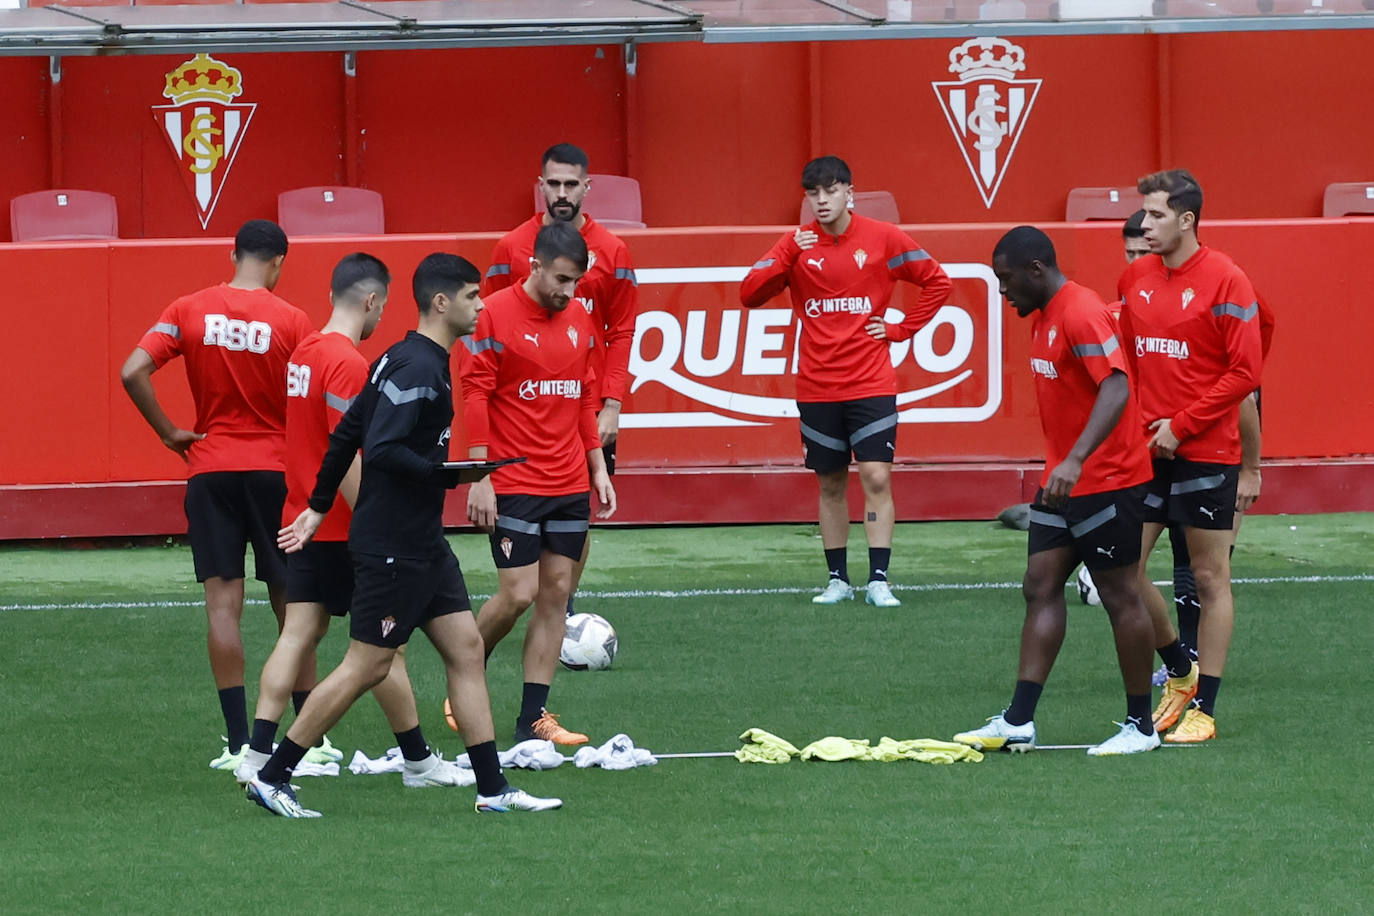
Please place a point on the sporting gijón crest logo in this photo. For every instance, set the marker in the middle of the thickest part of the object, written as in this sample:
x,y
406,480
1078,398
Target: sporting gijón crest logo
x,y
987,107
204,125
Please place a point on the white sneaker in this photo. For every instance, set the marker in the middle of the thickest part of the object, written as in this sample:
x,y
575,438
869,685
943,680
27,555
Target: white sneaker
x,y
836,590
1127,741
228,760
248,768
999,734
514,799
435,771
280,800
1087,589
879,594
324,753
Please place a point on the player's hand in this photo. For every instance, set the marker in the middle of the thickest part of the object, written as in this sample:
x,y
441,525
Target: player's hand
x,y
608,422
1247,488
1163,442
297,534
805,238
605,494
1061,482
181,440
482,505
876,328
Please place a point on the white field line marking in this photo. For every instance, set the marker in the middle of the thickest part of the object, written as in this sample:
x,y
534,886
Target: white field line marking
x,y
688,593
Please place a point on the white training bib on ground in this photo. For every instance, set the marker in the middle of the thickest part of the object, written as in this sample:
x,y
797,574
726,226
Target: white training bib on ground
x,y
589,643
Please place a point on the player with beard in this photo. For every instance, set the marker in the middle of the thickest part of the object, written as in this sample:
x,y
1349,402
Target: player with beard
x,y
608,292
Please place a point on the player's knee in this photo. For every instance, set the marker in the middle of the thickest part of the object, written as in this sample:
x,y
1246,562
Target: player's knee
x,y
833,485
876,478
1037,590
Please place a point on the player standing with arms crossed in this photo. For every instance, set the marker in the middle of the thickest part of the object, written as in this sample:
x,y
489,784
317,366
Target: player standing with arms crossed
x,y
1189,319
325,374
1090,503
529,390
608,290
841,270
405,573
236,339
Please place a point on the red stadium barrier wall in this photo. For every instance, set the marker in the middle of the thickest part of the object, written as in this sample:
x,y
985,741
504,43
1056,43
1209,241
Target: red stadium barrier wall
x,y
712,383
716,134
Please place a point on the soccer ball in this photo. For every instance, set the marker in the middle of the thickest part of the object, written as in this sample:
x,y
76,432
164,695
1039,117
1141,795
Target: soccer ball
x,y
1087,589
589,643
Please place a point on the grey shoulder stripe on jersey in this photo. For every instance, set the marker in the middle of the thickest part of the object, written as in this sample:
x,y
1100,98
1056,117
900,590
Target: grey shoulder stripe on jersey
x,y
1106,348
1244,313
760,265
497,270
399,396
915,254
163,327
476,346
338,403
626,273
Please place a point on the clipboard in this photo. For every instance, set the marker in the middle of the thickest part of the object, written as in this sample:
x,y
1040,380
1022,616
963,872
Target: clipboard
x,y
474,470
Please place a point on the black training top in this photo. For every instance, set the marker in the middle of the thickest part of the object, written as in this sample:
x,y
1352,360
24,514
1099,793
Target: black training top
x,y
401,421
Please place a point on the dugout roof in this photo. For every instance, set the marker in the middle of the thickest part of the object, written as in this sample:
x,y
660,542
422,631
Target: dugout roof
x,y
354,25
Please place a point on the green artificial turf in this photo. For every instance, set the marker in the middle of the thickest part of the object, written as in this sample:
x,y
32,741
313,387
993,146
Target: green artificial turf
x,y
109,718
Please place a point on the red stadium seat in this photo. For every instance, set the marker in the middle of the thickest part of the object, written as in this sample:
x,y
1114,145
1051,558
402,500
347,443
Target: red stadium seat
x,y
1101,203
330,211
873,204
63,215
1348,198
612,199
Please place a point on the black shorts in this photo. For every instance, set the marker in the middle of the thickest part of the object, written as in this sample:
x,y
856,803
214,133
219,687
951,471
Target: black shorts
x,y
1192,493
1103,528
228,510
528,525
831,430
321,573
394,595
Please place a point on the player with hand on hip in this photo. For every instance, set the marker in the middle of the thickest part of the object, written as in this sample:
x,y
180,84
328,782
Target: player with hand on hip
x,y
841,270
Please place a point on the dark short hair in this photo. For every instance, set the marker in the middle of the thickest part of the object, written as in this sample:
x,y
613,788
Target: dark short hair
x,y
355,268
442,272
1134,227
1024,244
565,154
1184,192
560,240
261,239
825,171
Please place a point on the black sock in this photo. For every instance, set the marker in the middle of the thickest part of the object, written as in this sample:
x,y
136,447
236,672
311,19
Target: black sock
x,y
1022,708
837,562
413,746
278,767
1207,687
1187,607
486,766
532,702
1138,711
234,704
264,736
1175,659
298,699
878,558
